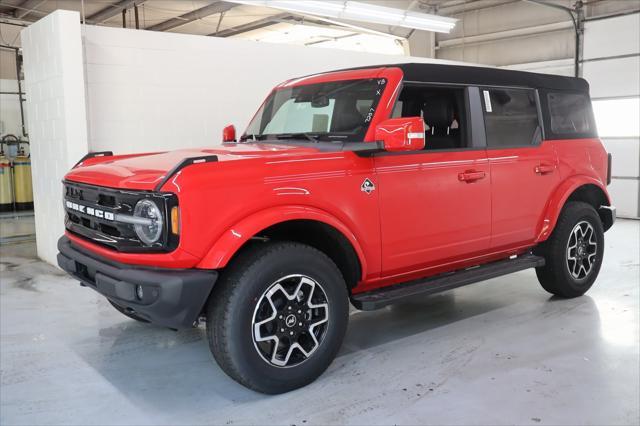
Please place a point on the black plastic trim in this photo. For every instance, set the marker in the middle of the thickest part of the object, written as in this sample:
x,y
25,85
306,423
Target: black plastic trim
x,y
171,297
93,155
476,118
608,216
185,163
364,149
380,298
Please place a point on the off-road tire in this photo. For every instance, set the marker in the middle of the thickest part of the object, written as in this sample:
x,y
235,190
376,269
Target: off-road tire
x,y
234,303
556,276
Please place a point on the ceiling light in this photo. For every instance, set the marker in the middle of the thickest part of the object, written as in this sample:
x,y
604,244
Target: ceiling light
x,y
358,11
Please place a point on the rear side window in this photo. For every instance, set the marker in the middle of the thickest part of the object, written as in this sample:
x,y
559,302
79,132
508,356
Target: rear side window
x,y
511,117
570,113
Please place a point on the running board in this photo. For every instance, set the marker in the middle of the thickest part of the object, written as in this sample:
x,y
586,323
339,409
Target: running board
x,y
380,298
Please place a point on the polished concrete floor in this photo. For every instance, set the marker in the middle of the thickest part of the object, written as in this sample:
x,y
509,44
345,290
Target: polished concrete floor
x,y
500,352
17,227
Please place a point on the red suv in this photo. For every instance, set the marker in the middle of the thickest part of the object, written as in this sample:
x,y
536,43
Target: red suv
x,y
368,186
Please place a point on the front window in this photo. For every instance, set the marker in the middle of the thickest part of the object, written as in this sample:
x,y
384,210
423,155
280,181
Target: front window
x,y
338,110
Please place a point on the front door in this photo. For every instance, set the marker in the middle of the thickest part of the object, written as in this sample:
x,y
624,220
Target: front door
x,y
435,204
435,208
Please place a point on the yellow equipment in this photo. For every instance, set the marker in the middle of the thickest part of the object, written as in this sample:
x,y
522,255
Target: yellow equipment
x,y
6,190
22,181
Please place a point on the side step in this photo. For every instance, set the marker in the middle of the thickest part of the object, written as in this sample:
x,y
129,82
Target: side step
x,y
380,298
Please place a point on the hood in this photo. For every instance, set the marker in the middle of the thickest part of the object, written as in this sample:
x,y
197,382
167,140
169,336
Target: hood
x,y
145,171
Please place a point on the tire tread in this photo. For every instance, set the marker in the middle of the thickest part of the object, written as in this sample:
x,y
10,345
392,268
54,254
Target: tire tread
x,y
227,289
552,276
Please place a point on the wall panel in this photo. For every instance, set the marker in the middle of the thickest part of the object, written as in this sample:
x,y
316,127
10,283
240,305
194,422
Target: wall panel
x,y
54,83
151,91
612,67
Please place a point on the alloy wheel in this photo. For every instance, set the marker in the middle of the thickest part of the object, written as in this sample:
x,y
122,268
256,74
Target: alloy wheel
x,y
290,320
582,248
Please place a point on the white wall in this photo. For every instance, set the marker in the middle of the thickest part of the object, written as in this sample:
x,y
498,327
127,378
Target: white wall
x,y
153,91
612,67
54,83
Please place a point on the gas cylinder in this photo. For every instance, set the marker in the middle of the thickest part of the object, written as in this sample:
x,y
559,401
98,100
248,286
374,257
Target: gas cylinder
x,y
22,181
6,190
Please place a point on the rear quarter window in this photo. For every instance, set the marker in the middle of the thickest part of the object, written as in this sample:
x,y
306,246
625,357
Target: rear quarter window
x,y
570,114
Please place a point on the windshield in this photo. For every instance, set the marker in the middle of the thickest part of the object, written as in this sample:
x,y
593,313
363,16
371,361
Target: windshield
x,y
338,110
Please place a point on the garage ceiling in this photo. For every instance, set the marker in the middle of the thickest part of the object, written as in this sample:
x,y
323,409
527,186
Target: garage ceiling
x,y
228,19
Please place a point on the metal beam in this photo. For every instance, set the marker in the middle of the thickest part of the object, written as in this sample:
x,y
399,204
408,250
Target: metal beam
x,y
26,7
450,9
212,9
518,32
250,26
112,10
272,20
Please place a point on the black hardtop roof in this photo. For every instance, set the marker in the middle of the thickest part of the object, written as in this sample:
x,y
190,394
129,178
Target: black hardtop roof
x,y
484,76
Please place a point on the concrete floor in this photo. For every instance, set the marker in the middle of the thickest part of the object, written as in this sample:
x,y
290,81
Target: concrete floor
x,y
17,227
500,352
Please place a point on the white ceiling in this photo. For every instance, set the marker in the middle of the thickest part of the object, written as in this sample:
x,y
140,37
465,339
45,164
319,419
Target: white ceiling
x,y
152,12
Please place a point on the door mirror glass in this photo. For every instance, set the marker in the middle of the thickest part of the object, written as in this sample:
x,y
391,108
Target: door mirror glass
x,y
229,133
401,134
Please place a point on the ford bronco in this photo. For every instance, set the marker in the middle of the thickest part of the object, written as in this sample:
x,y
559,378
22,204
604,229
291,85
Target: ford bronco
x,y
367,186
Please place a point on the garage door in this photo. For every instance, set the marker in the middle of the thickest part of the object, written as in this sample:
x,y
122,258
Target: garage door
x,y
611,64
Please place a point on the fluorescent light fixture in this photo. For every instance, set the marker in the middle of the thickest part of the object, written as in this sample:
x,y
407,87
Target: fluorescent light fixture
x,y
362,12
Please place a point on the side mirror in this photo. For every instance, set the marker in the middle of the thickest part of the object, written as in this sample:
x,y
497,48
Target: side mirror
x,y
401,134
229,133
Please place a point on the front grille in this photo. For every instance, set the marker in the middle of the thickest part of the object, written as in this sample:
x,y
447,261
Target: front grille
x,y
91,211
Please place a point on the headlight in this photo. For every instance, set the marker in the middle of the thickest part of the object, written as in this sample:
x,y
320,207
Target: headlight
x,y
150,231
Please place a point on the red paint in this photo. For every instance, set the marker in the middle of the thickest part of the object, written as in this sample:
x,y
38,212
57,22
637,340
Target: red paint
x,y
430,211
401,134
229,133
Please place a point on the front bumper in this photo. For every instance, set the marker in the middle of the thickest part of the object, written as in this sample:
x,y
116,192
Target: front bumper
x,y
170,297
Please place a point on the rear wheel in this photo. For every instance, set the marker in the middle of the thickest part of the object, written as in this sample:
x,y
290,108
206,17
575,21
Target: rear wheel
x,y
277,317
573,252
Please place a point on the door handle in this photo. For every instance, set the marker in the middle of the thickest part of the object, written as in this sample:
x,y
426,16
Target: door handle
x,y
471,176
543,169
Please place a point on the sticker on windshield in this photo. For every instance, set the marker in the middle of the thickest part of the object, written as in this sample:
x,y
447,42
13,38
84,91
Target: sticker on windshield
x,y
487,101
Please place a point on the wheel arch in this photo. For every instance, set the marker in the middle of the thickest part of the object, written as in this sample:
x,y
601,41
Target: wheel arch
x,y
576,188
302,224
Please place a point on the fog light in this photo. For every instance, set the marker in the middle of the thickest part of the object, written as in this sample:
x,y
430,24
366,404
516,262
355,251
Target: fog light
x,y
139,292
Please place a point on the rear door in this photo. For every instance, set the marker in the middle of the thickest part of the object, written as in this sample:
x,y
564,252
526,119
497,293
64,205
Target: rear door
x,y
524,169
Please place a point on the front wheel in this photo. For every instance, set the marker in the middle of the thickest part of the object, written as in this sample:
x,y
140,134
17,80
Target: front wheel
x,y
277,317
573,252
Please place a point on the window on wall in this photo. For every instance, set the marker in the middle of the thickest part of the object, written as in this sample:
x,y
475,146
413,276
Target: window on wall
x,y
617,117
570,113
511,117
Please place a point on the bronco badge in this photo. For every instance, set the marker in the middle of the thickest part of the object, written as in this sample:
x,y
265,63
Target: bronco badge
x,y
367,186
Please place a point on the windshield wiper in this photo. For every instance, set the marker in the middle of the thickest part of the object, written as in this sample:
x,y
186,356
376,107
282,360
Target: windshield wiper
x,y
245,138
297,136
